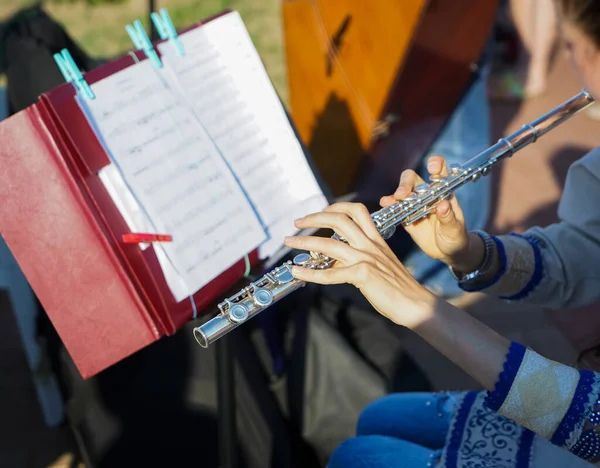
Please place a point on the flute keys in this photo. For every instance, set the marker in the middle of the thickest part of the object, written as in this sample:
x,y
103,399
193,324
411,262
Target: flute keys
x,y
389,232
454,169
302,259
283,274
422,189
336,236
262,297
237,313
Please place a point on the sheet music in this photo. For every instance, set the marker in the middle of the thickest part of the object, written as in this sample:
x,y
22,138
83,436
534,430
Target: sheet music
x,y
176,175
138,221
222,77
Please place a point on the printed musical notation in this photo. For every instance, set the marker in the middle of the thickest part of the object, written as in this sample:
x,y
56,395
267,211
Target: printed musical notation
x,y
222,78
171,167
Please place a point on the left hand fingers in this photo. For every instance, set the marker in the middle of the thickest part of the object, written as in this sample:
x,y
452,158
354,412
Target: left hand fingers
x,y
330,276
341,224
327,246
359,213
360,275
342,252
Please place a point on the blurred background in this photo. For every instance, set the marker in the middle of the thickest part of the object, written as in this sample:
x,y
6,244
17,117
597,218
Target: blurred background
x,y
98,26
524,192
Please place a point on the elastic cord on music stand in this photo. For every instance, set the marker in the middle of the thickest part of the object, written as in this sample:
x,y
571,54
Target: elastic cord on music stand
x,y
248,267
133,56
246,274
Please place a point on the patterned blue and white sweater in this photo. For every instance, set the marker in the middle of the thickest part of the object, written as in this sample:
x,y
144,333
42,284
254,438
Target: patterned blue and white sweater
x,y
541,413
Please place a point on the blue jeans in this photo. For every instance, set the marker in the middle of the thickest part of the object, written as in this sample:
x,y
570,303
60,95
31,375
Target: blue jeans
x,y
466,134
403,429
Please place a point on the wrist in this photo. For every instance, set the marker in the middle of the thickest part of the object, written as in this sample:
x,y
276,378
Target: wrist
x,y
470,344
422,307
472,256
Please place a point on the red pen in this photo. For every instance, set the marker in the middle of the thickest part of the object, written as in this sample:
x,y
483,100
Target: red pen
x,y
138,238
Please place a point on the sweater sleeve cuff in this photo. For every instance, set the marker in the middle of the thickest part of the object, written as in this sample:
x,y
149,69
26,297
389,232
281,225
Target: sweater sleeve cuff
x,y
514,358
535,392
521,268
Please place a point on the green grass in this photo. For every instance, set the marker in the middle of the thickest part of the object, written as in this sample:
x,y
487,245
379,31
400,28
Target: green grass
x,y
100,29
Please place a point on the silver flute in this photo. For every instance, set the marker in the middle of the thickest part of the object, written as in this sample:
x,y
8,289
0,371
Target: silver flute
x,y
280,282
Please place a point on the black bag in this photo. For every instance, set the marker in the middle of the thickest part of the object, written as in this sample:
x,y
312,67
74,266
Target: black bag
x,y
339,357
28,42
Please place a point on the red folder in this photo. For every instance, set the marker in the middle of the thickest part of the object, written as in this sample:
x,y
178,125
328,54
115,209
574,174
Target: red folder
x,y
106,299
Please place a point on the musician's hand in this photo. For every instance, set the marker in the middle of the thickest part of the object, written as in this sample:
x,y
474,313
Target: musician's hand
x,y
366,262
443,234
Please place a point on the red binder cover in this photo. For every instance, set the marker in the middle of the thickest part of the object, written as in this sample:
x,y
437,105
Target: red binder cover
x,y
106,299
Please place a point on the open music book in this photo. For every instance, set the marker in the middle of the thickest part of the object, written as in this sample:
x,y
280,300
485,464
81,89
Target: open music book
x,y
196,146
202,149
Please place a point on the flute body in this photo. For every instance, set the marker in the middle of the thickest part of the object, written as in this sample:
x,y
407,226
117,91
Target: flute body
x,y
280,282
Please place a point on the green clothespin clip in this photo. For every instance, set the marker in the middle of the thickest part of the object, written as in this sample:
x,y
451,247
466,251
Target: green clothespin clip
x,y
72,74
141,41
166,30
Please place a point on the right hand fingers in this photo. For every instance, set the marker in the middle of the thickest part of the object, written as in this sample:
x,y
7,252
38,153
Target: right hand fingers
x,y
451,234
449,213
409,179
436,166
449,221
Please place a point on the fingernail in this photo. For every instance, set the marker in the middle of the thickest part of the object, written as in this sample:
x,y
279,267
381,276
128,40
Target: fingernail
x,y
287,239
299,220
434,166
296,270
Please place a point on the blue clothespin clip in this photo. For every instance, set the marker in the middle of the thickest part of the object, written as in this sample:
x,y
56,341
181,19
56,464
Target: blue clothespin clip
x,y
166,30
72,74
141,41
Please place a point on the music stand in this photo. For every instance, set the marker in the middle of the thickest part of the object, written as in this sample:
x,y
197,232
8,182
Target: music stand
x,y
153,33
225,362
226,404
